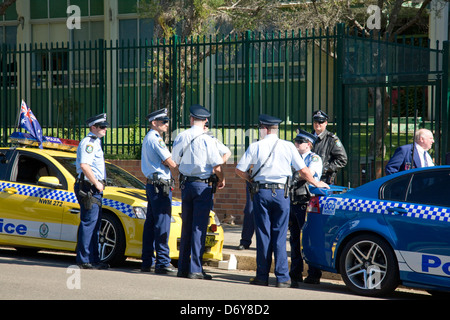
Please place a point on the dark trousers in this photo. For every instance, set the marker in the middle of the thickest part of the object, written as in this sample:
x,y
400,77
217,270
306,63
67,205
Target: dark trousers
x,y
248,227
196,202
157,228
296,222
88,230
271,213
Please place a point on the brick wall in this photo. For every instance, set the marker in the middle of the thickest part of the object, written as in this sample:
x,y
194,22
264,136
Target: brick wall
x,y
229,202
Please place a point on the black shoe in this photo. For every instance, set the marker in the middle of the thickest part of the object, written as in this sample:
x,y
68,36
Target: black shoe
x,y
199,275
145,269
311,280
165,270
242,247
286,284
257,282
295,283
101,266
97,266
182,274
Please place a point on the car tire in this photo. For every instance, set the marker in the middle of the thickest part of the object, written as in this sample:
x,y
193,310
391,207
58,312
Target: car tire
x,y
111,240
368,266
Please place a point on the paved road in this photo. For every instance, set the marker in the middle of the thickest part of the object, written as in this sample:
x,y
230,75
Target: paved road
x,y
50,276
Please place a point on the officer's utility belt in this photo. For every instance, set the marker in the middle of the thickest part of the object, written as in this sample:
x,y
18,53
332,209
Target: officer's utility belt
x,y
88,182
255,187
299,191
86,197
212,180
193,179
81,180
164,184
271,186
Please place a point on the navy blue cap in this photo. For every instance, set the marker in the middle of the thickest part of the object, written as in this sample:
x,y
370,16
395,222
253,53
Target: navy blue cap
x,y
199,112
99,120
269,120
320,116
160,114
303,135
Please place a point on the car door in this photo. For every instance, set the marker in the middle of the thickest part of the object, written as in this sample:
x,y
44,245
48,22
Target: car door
x,y
419,217
30,214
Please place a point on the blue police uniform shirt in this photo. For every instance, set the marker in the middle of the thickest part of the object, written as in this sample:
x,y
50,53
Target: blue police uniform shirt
x,y
314,163
90,151
196,159
154,152
278,167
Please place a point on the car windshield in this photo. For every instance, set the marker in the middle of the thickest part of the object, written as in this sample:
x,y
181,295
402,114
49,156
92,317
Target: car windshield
x,y
116,177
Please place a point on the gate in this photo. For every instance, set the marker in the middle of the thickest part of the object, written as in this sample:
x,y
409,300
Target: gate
x,y
389,90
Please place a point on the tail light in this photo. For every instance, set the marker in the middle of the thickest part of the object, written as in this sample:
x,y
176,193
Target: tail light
x,y
213,227
313,205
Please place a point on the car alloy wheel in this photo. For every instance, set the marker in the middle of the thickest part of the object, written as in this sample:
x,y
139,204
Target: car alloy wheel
x,y
111,240
368,266
107,240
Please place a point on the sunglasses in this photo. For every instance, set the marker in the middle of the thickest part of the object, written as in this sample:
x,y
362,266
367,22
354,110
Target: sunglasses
x,y
101,127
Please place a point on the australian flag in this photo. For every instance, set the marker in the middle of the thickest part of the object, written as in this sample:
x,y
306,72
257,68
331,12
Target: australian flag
x,y
29,122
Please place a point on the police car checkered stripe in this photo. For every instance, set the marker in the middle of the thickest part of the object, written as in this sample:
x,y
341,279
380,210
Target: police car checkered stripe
x,y
125,208
45,193
414,210
39,192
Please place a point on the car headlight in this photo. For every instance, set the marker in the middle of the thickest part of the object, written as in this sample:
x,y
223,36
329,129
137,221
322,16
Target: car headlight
x,y
140,212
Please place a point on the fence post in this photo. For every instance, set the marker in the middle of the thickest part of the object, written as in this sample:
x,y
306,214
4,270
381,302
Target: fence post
x,y
174,110
247,85
4,96
445,143
340,111
101,78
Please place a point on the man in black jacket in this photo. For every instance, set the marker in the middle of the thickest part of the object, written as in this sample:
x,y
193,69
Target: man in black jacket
x,y
329,147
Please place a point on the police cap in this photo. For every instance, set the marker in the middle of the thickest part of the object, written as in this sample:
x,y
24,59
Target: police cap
x,y
99,120
303,136
199,112
160,114
269,120
320,116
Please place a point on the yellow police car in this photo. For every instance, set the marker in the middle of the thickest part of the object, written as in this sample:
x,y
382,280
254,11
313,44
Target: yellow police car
x,y
39,208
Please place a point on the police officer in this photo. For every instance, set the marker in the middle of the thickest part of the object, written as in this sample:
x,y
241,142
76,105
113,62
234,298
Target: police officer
x,y
89,186
328,147
157,165
199,162
333,155
271,158
304,142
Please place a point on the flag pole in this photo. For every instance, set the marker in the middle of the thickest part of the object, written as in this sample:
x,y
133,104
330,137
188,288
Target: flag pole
x,y
18,116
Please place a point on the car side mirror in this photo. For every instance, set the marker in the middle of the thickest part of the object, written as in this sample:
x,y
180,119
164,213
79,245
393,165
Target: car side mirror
x,y
49,182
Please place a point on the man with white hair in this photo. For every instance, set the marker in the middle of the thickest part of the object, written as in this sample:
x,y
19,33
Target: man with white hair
x,y
412,155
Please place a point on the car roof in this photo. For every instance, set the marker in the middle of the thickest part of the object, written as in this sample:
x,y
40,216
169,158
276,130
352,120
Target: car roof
x,y
371,188
50,152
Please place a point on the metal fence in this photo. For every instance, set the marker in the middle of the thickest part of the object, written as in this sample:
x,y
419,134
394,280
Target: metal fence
x,y
237,77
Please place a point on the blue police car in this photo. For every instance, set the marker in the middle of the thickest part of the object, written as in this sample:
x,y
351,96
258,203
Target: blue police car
x,y
394,230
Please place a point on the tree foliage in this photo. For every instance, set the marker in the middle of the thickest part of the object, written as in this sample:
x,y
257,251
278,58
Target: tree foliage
x,y
199,17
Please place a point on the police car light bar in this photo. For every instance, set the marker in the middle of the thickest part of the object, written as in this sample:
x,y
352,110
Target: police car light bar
x,y
49,142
